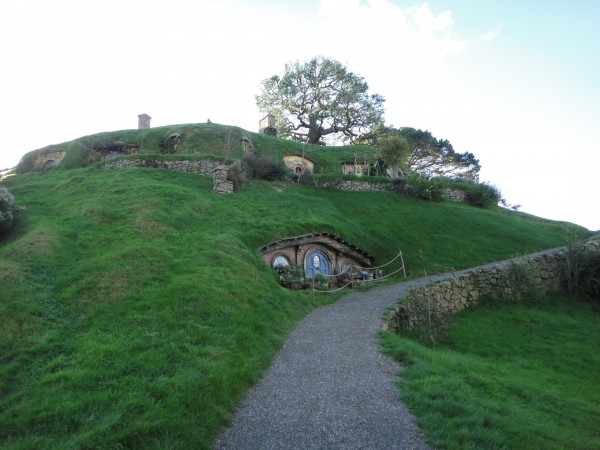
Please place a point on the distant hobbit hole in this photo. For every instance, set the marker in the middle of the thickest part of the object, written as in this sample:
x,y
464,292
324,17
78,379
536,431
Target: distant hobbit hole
x,y
49,164
299,164
170,144
112,150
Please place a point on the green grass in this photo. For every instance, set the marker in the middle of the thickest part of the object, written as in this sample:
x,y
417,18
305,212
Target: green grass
x,y
136,310
509,375
202,140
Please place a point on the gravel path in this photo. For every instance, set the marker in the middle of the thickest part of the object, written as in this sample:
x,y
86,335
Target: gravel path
x,y
329,387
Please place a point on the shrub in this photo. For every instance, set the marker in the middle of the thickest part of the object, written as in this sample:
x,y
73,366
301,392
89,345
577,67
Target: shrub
x,y
424,187
426,319
483,195
264,168
270,131
582,271
236,175
306,178
7,211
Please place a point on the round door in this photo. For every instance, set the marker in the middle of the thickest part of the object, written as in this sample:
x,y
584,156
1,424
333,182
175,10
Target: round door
x,y
316,263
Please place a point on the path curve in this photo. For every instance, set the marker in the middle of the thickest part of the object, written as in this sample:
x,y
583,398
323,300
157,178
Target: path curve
x,y
328,387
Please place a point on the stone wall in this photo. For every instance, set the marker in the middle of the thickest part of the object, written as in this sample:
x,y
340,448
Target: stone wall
x,y
455,194
506,280
355,185
201,166
221,185
218,171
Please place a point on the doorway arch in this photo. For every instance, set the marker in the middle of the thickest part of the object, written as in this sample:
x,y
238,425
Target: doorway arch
x,y
317,263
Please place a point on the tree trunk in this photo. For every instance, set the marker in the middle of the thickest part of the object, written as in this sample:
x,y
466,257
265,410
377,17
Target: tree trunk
x,y
314,132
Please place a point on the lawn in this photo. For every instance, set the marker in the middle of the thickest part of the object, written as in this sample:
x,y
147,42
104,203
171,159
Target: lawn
x,y
136,310
508,375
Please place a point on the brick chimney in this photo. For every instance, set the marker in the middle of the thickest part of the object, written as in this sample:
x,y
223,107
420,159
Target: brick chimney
x,y
144,121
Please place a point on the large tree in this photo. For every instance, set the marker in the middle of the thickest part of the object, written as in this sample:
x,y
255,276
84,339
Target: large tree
x,y
320,99
427,155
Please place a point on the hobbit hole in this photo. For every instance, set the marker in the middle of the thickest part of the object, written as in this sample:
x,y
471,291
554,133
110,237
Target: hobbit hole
x,y
316,254
299,164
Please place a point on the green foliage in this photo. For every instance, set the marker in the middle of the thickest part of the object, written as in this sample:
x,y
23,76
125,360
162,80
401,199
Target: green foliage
x,y
394,151
236,175
519,280
8,211
320,98
428,155
270,131
425,187
128,322
265,168
483,195
582,270
508,375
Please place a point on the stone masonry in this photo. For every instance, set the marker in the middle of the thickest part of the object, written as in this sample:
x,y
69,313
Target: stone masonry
x,y
221,185
506,280
200,166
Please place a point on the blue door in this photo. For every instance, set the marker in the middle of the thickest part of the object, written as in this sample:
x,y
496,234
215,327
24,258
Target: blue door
x,y
316,263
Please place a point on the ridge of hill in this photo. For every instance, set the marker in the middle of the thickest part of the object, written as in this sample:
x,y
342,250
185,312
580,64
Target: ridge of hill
x,y
136,310
212,140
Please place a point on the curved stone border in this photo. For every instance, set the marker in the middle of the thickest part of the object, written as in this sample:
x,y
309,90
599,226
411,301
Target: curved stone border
x,y
537,273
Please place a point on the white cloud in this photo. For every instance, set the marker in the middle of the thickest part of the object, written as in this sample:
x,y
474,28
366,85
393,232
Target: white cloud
x,y
492,34
426,20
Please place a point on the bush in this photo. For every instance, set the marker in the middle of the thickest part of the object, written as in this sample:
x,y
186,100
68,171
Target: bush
x,y
236,175
425,319
483,195
424,187
265,168
270,131
582,271
7,211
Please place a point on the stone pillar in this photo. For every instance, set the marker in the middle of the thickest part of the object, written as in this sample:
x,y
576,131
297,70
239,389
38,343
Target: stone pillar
x,y
221,185
144,121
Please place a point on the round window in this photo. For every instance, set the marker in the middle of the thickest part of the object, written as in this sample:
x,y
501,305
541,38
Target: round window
x,y
281,262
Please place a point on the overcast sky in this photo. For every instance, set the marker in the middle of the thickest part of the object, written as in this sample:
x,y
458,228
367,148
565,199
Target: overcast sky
x,y
517,83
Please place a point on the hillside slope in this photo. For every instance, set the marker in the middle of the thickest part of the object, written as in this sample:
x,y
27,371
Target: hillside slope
x,y
136,310
221,142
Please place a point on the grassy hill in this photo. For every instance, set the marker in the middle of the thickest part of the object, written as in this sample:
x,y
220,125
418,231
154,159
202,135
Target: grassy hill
x,y
136,310
201,140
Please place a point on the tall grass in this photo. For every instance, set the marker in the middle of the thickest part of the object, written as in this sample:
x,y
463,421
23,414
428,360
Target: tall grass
x,y
510,375
136,310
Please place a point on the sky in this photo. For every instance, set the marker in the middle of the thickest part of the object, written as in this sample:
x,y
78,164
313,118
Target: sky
x,y
517,83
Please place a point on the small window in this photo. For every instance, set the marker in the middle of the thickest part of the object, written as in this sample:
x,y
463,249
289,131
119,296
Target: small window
x,y
281,262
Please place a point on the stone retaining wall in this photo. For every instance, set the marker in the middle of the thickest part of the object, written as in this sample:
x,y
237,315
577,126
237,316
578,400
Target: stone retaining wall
x,y
506,280
455,194
355,185
200,166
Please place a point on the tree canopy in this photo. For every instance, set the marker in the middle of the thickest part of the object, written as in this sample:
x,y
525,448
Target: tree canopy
x,y
320,99
427,154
